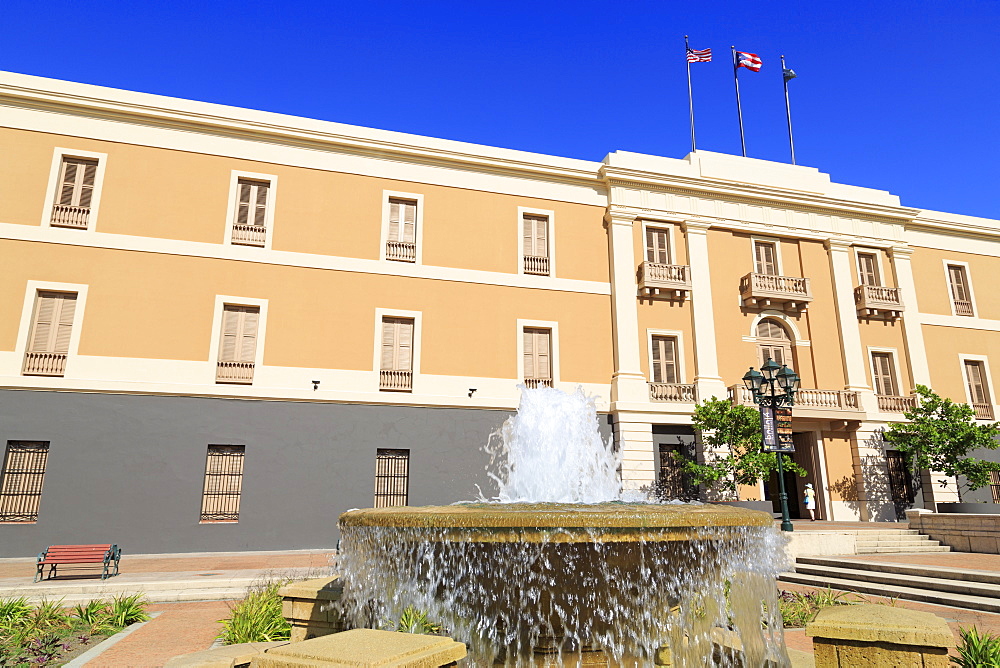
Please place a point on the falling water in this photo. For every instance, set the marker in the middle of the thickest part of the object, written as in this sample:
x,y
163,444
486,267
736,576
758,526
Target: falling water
x,y
558,572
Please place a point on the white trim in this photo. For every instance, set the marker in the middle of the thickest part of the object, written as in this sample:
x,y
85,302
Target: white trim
x,y
797,339
681,366
418,232
671,244
31,290
880,267
417,317
895,367
551,325
213,349
550,237
968,279
962,358
754,238
58,154
272,193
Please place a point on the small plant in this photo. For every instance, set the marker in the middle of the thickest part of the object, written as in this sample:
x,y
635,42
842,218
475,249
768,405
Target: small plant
x,y
799,609
257,616
127,610
415,621
975,649
14,612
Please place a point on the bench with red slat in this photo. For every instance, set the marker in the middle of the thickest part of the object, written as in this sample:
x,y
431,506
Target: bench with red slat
x,y
58,555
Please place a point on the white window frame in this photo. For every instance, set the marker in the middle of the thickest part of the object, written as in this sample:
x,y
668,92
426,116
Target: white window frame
x,y
880,267
968,278
895,368
418,234
234,195
985,360
58,154
28,313
671,244
221,301
677,334
417,317
553,327
754,238
523,211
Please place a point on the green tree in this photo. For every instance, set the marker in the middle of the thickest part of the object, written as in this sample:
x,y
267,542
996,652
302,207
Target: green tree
x,y
733,445
940,435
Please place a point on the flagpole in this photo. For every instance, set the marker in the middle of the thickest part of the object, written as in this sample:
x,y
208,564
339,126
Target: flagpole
x,y
687,49
739,109
788,109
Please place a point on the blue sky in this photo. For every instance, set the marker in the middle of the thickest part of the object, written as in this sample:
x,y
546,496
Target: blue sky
x,y
900,96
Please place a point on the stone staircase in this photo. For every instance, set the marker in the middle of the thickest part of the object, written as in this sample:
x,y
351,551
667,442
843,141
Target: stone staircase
x,y
885,541
954,587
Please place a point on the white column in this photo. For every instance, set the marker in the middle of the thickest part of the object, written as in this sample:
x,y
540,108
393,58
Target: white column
x,y
913,333
847,320
634,438
871,474
628,384
707,380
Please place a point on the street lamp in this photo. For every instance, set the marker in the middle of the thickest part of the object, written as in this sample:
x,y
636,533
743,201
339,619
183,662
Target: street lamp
x,y
774,387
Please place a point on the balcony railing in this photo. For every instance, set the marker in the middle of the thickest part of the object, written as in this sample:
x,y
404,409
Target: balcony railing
x,y
536,264
672,279
535,383
963,307
44,364
874,300
983,411
70,216
766,290
395,380
671,392
888,403
234,372
813,400
249,235
401,251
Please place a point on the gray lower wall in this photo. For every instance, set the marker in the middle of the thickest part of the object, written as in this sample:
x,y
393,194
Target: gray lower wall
x,y
983,494
129,469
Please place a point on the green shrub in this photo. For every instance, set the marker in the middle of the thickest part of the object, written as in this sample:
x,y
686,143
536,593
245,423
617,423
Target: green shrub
x,y
975,649
127,610
415,621
256,617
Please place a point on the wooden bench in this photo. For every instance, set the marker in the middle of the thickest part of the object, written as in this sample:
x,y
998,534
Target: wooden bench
x,y
57,555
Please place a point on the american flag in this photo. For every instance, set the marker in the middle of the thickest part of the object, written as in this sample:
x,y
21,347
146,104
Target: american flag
x,y
751,61
699,55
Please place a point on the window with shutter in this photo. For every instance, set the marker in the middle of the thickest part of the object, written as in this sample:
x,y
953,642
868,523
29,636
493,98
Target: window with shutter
x,y
392,477
75,193
535,244
220,500
250,223
537,351
884,373
975,375
765,255
773,342
665,359
401,244
21,480
868,269
51,330
238,346
961,297
657,245
397,355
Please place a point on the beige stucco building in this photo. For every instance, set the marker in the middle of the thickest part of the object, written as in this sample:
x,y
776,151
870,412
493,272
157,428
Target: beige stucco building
x,y
181,278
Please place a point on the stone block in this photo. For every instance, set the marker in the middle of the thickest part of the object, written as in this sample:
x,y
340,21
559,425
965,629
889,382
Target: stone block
x,y
311,606
984,544
365,648
226,656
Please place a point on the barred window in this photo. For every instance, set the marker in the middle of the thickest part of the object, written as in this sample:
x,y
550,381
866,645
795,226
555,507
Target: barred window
x,y
223,483
392,478
21,480
995,485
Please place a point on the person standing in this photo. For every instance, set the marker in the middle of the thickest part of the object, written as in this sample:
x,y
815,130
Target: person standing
x,y
810,501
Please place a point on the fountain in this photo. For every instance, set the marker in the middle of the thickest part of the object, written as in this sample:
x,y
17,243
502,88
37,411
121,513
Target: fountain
x,y
560,568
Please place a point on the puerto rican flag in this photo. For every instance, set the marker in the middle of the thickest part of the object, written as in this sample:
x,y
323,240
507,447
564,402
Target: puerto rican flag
x,y
751,61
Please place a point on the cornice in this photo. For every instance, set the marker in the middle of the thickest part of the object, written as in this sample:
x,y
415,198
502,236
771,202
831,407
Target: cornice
x,y
956,228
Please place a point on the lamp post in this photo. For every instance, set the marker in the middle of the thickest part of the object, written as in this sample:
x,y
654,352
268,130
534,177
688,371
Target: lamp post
x,y
774,387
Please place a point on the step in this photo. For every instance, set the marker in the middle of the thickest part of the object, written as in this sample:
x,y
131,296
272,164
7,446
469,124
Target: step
x,y
166,596
902,550
896,543
894,540
902,580
966,601
920,570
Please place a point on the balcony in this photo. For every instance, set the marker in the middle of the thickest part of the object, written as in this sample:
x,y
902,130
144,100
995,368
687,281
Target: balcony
x,y
983,411
877,301
766,291
671,393
249,235
64,215
240,373
888,403
400,251
44,364
535,383
809,403
395,380
536,264
672,281
963,307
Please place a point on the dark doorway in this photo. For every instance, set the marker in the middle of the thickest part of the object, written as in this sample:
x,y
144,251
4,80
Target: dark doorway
x,y
794,485
900,482
672,445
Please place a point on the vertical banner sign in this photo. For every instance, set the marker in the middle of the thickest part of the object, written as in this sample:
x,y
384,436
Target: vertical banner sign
x,y
768,428
783,425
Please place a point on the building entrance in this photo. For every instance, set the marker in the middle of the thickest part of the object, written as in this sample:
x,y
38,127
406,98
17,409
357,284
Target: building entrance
x,y
804,456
